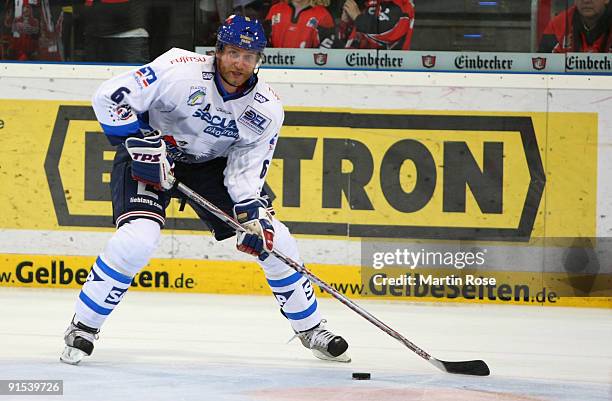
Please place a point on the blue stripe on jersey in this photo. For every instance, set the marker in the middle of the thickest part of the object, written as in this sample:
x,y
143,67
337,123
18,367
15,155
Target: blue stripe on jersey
x,y
303,314
285,281
94,306
121,130
114,274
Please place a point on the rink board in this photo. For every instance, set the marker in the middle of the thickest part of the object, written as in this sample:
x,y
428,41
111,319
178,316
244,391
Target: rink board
x,y
246,278
340,174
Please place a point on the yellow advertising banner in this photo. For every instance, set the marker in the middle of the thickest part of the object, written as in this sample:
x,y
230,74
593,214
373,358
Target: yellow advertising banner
x,y
336,174
198,276
439,175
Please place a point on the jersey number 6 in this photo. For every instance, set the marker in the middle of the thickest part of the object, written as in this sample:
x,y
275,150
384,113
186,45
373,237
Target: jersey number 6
x,y
118,95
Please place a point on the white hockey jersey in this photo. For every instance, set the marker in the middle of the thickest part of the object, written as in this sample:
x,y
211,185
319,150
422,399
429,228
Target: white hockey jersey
x,y
177,94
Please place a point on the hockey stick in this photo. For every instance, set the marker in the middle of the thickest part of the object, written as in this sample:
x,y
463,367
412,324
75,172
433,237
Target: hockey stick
x,y
475,367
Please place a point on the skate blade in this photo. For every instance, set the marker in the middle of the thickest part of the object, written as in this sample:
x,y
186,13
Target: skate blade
x,y
72,356
344,357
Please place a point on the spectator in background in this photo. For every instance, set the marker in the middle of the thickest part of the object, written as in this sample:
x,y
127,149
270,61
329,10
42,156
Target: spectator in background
x,y
213,12
115,31
29,31
300,24
207,22
584,27
378,24
254,9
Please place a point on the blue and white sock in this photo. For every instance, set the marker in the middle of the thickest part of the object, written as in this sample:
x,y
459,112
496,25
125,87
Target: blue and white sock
x,y
293,291
125,254
101,293
297,299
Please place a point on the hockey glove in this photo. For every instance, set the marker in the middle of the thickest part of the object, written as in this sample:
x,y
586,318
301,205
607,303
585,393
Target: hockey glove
x,y
150,163
258,239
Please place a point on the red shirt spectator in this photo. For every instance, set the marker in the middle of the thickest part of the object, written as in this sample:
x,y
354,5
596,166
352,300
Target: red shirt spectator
x,y
300,24
29,31
379,24
584,27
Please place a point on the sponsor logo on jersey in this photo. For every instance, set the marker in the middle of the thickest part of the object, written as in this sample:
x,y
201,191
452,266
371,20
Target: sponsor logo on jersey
x,y
428,61
217,126
123,111
197,95
189,59
254,120
146,201
207,76
539,63
260,98
145,77
320,58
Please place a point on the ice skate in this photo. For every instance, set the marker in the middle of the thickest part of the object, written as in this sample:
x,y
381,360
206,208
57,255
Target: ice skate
x,y
324,344
79,342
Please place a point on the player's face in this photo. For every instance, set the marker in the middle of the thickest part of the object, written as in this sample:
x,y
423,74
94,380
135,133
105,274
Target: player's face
x,y
591,8
236,65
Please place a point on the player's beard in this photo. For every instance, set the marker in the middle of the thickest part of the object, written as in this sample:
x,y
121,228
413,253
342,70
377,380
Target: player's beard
x,y
234,79
233,76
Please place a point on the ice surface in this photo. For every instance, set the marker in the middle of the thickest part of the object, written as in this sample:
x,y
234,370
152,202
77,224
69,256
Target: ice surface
x,y
166,346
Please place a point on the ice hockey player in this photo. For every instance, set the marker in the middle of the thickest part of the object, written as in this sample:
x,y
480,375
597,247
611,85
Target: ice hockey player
x,y
213,124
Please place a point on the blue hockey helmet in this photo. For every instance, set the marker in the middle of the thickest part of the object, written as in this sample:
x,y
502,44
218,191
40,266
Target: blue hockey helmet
x,y
244,32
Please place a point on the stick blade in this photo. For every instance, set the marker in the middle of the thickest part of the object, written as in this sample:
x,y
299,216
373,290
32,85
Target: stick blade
x,y
474,368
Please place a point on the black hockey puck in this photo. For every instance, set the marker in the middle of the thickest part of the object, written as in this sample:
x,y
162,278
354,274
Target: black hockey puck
x,y
361,376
